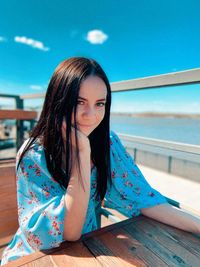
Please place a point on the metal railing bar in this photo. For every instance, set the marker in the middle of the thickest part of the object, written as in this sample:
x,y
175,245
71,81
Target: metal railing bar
x,y
191,76
189,148
32,96
164,80
9,96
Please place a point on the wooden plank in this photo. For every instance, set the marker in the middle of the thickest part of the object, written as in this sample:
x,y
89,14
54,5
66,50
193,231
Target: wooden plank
x,y
42,262
129,250
9,213
189,241
114,246
17,114
102,253
181,253
8,201
7,188
7,170
26,259
122,247
68,254
155,247
110,227
6,240
10,182
7,185
8,206
8,228
7,162
74,255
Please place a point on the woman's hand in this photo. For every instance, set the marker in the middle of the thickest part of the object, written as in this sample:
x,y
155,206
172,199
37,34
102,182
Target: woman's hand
x,y
78,190
83,141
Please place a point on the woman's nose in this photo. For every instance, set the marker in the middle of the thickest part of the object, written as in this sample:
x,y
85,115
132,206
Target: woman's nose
x,y
89,112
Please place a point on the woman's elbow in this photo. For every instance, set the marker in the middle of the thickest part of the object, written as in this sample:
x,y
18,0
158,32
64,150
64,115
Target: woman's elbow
x,y
70,237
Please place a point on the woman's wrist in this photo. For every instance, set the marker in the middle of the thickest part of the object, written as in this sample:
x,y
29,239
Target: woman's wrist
x,y
86,150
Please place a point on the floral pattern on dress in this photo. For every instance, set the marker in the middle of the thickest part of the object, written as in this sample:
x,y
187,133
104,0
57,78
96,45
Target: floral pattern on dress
x,y
41,199
130,192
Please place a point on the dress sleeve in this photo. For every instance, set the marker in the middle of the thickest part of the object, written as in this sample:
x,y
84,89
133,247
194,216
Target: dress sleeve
x,y
40,202
129,191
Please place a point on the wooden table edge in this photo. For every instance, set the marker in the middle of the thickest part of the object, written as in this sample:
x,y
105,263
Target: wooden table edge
x,y
39,254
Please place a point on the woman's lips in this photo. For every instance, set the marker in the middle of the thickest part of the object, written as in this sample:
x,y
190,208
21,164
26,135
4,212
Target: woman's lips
x,y
88,126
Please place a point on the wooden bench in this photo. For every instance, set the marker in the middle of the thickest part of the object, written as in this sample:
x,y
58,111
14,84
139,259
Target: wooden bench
x,y
8,202
17,114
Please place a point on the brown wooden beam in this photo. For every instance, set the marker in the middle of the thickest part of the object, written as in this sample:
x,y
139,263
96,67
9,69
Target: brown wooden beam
x,y
17,114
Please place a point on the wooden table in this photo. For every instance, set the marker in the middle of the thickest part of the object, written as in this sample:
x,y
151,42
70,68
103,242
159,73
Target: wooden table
x,y
134,242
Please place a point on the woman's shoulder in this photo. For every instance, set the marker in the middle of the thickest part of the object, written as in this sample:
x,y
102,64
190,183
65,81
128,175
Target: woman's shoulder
x,y
112,134
35,150
33,160
114,138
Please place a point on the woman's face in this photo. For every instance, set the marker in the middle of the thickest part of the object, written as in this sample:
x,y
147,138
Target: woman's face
x,y
91,104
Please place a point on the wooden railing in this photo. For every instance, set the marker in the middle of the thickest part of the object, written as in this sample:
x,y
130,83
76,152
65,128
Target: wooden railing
x,y
17,114
8,201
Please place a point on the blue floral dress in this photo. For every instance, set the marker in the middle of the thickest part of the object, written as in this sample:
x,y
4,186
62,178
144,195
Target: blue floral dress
x,y
41,199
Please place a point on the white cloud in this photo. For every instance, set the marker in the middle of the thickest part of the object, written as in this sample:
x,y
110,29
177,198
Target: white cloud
x,y
33,43
96,37
36,87
2,39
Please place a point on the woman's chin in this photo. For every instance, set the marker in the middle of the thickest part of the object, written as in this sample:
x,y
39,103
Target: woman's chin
x,y
87,132
85,129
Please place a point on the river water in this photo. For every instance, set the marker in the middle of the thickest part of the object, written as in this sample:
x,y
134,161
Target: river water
x,y
183,130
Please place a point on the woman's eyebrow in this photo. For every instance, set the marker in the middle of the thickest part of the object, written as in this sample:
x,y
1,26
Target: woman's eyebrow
x,y
102,99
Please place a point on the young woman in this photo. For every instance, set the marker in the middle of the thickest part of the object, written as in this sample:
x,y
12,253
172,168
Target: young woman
x,y
72,161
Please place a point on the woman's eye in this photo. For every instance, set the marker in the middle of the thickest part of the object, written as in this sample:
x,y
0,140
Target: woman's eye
x,y
79,102
100,104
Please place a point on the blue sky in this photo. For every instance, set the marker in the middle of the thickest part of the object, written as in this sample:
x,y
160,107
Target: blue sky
x,y
130,39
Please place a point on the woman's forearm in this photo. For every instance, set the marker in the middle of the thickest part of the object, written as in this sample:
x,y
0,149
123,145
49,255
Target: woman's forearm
x,y
170,215
77,198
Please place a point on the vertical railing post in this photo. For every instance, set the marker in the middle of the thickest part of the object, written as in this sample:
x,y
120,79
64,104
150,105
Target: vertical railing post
x,y
169,164
135,154
19,124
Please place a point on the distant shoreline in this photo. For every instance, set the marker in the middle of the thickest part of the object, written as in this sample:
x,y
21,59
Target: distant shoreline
x,y
157,114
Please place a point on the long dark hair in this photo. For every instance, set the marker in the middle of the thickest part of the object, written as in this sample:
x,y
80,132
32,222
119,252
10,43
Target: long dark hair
x,y
60,102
